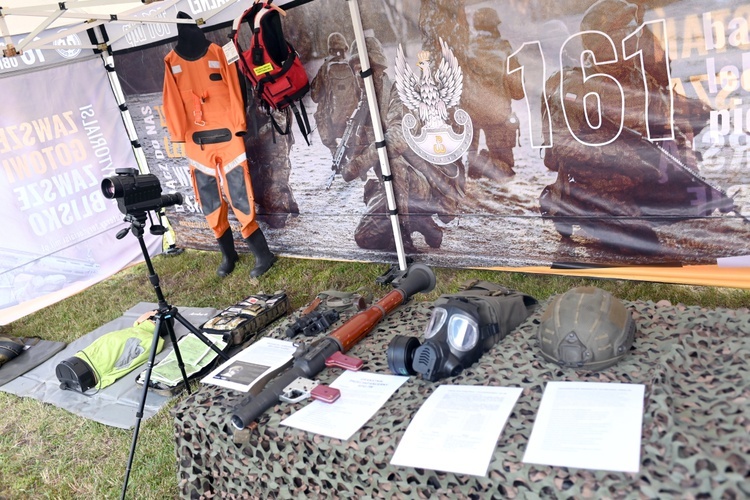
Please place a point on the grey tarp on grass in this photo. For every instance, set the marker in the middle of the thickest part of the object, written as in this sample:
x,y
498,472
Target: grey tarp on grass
x,y
117,404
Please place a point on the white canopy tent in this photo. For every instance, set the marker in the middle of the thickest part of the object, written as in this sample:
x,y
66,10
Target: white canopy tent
x,y
17,17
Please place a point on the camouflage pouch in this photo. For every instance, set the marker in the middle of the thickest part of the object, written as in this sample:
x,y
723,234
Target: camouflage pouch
x,y
10,348
503,308
237,322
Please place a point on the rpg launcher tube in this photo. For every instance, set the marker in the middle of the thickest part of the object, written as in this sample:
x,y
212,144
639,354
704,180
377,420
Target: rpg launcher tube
x,y
418,278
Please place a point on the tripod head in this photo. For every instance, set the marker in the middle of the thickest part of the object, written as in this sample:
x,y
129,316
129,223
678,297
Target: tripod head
x,y
138,223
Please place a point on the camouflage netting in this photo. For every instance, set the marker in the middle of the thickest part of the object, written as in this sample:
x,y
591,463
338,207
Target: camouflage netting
x,y
694,363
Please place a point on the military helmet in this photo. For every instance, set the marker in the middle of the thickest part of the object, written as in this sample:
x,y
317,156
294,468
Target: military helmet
x,y
586,327
374,52
337,42
486,19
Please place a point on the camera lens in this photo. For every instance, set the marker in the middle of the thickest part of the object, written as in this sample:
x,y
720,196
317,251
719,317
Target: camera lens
x,y
167,200
111,188
400,354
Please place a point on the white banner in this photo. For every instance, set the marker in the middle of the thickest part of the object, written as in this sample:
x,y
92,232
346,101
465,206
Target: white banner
x,y
61,132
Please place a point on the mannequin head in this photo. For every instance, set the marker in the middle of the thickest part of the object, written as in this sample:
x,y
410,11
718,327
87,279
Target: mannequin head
x,y
191,42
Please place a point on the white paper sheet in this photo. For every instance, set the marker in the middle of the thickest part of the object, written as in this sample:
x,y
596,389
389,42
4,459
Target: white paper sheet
x,y
242,370
362,394
456,429
589,425
738,261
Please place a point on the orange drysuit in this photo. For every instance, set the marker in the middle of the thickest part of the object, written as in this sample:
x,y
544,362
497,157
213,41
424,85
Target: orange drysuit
x,y
204,109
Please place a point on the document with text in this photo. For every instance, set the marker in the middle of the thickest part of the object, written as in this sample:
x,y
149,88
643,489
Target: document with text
x,y
588,425
362,394
456,429
244,369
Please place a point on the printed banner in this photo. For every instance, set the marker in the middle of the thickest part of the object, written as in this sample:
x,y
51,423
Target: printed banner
x,y
61,133
602,132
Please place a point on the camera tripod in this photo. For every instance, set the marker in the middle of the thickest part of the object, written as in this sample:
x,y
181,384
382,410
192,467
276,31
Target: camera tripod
x,y
165,316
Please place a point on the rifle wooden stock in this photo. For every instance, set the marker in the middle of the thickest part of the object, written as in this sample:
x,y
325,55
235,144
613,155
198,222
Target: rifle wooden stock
x,y
418,278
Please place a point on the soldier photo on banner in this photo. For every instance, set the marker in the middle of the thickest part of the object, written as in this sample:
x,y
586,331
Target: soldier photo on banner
x,y
337,92
490,89
524,133
618,187
422,189
270,166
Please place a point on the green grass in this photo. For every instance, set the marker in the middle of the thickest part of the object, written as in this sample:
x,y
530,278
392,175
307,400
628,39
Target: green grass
x,y
46,452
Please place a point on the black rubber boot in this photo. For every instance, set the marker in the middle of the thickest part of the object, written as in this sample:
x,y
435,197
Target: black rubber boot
x,y
264,259
230,256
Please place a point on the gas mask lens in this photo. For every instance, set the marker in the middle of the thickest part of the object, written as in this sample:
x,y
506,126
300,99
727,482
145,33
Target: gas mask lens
x,y
463,332
437,320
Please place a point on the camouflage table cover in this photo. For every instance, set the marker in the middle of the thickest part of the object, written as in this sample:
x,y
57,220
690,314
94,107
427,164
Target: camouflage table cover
x,y
694,362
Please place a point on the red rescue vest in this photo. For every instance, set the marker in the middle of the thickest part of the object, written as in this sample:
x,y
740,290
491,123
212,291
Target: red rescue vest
x,y
272,65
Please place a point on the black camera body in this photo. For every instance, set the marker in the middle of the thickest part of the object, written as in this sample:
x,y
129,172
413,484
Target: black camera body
x,y
137,193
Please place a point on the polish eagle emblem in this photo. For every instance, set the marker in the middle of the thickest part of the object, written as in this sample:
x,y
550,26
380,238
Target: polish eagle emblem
x,y
430,96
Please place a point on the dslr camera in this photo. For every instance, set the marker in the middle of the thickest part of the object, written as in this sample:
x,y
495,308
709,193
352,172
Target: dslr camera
x,y
137,193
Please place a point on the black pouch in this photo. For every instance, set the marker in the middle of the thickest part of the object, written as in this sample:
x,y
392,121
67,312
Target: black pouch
x,y
212,136
10,348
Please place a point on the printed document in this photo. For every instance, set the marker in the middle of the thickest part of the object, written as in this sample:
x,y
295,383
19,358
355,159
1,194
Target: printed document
x,y
242,370
362,394
456,429
195,356
588,425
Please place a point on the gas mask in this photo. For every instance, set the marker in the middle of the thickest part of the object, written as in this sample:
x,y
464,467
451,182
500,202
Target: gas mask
x,y
461,329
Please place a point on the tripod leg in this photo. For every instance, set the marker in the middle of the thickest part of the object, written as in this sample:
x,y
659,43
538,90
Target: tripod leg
x,y
139,413
199,334
177,353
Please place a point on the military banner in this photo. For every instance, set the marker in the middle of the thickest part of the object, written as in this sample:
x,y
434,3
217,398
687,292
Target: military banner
x,y
518,133
60,134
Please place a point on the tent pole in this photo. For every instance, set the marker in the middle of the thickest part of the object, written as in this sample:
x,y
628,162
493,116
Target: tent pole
x,y
140,157
163,6
5,31
127,119
377,125
51,19
47,41
89,20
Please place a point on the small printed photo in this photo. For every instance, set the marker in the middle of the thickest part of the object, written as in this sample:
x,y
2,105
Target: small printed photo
x,y
241,372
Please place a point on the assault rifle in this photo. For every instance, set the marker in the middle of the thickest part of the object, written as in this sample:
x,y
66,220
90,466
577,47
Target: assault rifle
x,y
351,125
310,360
